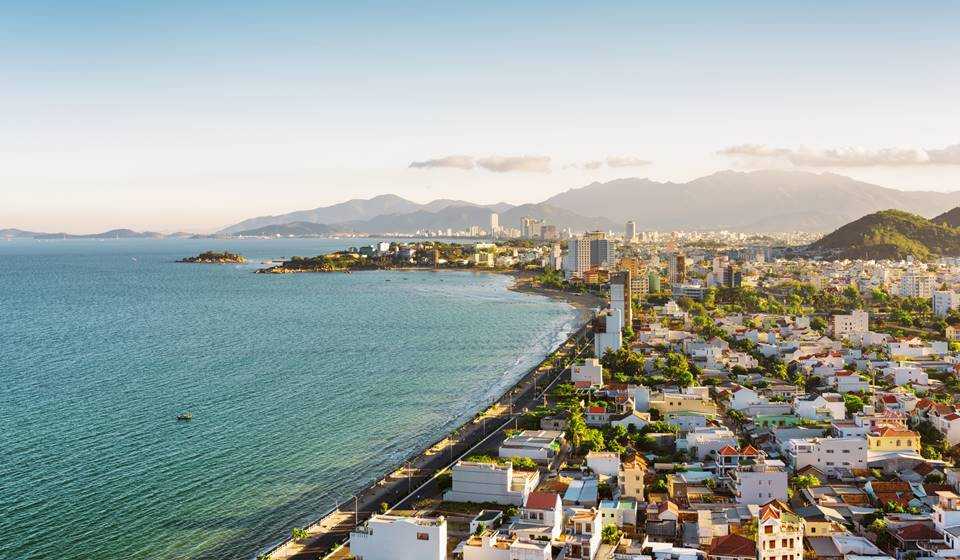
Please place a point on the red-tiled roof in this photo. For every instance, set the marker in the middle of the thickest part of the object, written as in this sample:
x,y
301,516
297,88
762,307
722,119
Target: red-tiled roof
x,y
596,410
749,451
890,399
732,545
918,532
728,451
891,432
541,500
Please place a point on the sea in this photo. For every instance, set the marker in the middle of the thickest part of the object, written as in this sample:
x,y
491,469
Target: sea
x,y
303,388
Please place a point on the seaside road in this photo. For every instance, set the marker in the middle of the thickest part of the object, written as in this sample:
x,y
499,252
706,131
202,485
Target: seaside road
x,y
481,435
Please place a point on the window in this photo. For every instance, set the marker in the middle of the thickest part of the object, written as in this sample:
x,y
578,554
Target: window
x,y
813,530
768,529
423,536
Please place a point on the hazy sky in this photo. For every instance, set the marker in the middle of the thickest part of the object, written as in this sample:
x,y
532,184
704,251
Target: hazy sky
x,y
193,114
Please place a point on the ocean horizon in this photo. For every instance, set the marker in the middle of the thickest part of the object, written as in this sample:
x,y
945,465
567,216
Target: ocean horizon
x,y
303,388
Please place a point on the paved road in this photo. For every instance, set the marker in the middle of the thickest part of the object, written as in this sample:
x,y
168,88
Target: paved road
x,y
474,437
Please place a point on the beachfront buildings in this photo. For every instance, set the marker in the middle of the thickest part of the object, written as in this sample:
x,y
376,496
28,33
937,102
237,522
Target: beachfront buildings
x,y
590,371
389,537
539,445
481,482
607,332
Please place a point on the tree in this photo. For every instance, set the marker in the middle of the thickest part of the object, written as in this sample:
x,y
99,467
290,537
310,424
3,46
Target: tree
x,y
523,464
804,481
611,535
819,324
299,534
853,403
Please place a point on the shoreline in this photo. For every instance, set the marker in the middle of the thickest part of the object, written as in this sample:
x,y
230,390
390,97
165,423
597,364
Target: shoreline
x,y
461,435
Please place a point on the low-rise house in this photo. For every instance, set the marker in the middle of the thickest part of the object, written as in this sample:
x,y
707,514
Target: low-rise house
x,y
946,518
892,439
604,463
849,382
544,509
486,519
741,397
582,536
779,533
821,521
903,374
496,545
900,493
687,421
621,512
829,406
490,482
732,547
540,445
589,371
630,479
828,455
582,493
389,537
702,442
666,403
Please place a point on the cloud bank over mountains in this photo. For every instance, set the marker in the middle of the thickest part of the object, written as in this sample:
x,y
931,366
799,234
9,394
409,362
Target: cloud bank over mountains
x,y
846,156
523,164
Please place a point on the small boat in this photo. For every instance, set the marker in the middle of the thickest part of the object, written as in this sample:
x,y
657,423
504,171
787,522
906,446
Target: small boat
x,y
184,416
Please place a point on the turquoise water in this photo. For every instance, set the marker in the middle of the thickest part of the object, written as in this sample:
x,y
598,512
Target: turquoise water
x,y
303,388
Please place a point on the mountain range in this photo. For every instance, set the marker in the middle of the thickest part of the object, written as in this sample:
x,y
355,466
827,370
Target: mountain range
x,y
740,201
757,201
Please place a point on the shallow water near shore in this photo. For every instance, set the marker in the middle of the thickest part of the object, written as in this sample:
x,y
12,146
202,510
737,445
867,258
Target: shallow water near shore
x,y
303,388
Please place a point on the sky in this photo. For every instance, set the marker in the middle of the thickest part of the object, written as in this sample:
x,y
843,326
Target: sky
x,y
192,115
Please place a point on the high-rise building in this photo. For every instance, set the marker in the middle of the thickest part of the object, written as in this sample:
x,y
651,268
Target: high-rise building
x,y
549,232
653,281
494,224
577,260
732,277
917,284
630,232
678,268
639,279
621,297
945,301
530,227
601,249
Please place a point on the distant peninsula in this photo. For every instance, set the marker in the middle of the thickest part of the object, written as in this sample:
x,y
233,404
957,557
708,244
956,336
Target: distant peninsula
x,y
213,257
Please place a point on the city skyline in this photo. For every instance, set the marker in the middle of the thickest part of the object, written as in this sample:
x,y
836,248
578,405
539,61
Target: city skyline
x,y
166,117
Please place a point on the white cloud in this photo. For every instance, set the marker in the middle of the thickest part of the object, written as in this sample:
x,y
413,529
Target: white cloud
x,y
456,162
626,161
507,164
848,156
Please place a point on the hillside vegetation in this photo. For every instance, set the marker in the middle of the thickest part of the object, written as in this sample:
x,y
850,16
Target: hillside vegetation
x,y
890,234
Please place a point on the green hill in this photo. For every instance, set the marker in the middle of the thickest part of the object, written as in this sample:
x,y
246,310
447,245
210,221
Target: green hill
x,y
890,234
949,218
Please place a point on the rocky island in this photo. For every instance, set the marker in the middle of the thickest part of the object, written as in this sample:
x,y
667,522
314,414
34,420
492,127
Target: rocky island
x,y
213,257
